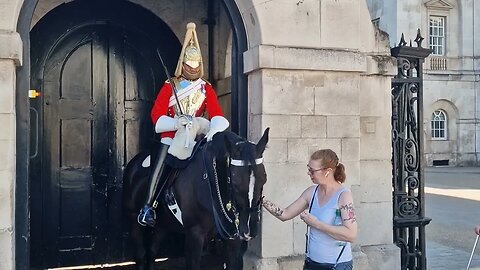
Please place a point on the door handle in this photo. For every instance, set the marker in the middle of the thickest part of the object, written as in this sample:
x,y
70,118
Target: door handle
x,y
34,113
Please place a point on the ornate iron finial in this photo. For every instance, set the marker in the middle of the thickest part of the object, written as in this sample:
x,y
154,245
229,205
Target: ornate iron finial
x,y
402,41
419,38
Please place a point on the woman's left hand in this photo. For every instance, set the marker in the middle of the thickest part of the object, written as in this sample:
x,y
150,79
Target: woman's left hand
x,y
308,218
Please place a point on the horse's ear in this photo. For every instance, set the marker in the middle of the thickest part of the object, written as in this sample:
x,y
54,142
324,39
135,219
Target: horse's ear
x,y
262,143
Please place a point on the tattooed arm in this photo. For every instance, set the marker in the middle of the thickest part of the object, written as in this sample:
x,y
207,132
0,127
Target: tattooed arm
x,y
348,230
293,209
273,208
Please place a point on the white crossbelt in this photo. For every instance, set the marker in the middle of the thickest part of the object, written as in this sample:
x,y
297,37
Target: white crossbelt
x,y
185,92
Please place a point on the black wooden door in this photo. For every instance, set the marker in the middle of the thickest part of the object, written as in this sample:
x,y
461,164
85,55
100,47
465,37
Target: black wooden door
x,y
98,84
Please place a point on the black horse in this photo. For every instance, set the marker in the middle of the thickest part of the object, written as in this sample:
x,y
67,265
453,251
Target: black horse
x,y
219,194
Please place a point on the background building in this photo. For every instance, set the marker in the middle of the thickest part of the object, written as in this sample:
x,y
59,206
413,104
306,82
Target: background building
x,y
451,73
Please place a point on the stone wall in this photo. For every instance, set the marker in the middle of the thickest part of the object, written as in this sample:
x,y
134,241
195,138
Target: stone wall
x,y
317,89
10,57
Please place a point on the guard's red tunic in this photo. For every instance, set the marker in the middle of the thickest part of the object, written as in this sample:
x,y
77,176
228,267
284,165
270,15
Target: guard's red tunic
x,y
161,108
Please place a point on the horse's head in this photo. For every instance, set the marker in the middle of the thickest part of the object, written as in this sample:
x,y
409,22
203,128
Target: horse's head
x,y
247,175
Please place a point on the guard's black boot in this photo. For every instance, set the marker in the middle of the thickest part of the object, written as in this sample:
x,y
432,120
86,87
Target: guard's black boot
x,y
147,213
147,216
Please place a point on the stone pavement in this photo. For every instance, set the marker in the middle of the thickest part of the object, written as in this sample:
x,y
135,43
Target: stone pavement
x,y
445,184
207,263
441,257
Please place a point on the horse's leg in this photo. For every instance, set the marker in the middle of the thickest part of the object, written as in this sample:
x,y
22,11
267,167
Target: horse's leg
x,y
235,250
194,239
139,243
153,246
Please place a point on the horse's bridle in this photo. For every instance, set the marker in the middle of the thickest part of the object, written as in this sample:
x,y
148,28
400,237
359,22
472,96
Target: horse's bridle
x,y
242,163
232,205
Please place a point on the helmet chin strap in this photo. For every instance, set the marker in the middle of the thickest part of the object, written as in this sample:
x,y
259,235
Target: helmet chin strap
x,y
190,75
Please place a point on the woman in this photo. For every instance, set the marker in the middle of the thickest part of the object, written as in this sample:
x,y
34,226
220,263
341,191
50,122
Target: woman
x,y
327,209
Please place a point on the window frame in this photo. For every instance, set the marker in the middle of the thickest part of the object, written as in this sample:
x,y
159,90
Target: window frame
x,y
437,36
433,127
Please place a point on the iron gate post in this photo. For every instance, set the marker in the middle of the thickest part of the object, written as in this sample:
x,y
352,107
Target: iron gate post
x,y
409,219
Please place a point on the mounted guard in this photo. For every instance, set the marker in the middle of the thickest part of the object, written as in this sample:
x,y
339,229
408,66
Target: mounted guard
x,y
178,115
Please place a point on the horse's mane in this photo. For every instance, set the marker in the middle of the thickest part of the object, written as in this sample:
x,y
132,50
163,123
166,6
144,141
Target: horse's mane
x,y
221,140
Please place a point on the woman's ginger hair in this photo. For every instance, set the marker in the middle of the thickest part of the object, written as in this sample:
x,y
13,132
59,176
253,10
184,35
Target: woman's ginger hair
x,y
329,159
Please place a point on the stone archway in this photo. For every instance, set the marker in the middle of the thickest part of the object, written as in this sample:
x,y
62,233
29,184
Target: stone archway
x,y
98,70
22,190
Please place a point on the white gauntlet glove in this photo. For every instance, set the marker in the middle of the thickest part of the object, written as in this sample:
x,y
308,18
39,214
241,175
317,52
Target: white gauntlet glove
x,y
167,123
217,124
183,120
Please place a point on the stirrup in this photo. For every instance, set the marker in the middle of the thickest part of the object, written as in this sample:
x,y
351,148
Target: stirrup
x,y
147,216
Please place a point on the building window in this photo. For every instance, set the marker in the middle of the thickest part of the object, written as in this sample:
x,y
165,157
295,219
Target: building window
x,y
437,35
439,125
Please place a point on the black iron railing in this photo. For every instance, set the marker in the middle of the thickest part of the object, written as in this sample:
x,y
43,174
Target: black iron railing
x,y
409,219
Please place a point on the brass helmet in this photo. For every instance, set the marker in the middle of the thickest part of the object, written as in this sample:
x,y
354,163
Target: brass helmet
x,y
190,64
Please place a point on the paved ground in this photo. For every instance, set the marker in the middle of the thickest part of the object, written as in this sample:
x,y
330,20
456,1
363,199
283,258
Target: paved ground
x,y
179,264
453,203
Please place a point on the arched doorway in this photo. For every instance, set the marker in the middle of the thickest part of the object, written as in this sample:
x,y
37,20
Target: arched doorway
x,y
109,39
99,75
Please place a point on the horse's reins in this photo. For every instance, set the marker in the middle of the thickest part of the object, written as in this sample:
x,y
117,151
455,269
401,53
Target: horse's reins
x,y
222,230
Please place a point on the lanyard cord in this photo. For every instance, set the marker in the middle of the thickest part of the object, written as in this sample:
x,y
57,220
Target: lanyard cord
x,y
309,210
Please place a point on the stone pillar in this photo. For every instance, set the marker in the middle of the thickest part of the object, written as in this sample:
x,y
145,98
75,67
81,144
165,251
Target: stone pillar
x,y
10,56
335,94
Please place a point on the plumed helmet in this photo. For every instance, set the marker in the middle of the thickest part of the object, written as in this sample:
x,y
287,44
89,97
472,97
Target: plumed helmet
x,y
190,55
